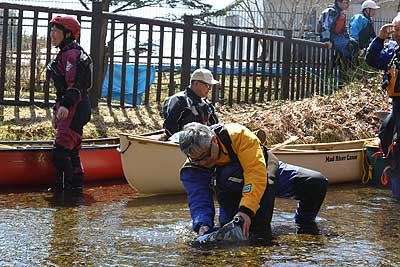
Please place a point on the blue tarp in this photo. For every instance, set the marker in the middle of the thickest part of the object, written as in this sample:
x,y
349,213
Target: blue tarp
x,y
116,91
129,81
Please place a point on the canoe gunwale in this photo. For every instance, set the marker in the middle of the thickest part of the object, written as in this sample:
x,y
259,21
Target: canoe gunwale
x,y
305,151
143,140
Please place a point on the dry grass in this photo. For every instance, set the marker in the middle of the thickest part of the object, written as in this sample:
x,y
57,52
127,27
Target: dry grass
x,y
348,114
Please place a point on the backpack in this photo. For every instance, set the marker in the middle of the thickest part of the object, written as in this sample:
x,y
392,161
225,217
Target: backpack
x,y
322,18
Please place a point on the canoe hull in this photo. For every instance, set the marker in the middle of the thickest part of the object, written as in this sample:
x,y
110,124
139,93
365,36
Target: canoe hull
x,y
337,166
340,162
152,167
31,164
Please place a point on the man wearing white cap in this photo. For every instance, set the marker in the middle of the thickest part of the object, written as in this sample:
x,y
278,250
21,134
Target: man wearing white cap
x,y
361,25
190,105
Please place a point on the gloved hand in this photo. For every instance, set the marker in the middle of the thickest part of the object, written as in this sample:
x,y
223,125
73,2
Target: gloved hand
x,y
54,121
62,113
203,229
246,222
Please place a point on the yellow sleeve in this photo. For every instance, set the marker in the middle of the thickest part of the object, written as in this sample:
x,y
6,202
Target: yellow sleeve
x,y
250,154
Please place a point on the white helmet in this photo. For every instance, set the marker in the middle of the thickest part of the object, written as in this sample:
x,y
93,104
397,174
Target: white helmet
x,y
369,4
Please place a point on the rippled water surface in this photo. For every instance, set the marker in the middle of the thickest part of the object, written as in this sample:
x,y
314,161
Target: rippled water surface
x,y
111,226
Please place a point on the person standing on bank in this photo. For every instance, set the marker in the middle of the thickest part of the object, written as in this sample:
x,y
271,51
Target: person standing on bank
x,y
245,177
386,57
71,72
361,25
333,30
190,105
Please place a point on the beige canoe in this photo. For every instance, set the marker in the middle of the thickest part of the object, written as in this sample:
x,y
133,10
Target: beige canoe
x,y
152,167
340,162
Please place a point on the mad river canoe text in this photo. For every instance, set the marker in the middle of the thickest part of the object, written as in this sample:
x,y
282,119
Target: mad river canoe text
x,y
340,158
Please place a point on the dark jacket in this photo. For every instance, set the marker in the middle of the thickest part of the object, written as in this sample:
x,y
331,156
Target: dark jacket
x,y
71,72
185,107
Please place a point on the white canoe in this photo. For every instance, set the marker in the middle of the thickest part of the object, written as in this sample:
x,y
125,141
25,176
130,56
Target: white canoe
x,y
340,162
152,167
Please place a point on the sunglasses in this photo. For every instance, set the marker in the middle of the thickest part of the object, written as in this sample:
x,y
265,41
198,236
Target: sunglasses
x,y
209,86
202,158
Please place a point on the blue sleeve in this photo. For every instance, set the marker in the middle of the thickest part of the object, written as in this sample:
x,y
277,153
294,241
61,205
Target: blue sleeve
x,y
357,23
201,203
377,55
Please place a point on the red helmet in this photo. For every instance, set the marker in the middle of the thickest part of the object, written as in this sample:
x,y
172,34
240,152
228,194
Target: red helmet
x,y
69,23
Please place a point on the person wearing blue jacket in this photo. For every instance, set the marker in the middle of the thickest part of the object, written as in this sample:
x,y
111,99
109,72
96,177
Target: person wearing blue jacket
x,y
361,25
386,57
333,30
229,161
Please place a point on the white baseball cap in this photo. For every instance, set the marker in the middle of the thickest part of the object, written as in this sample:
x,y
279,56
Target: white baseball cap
x,y
203,75
369,4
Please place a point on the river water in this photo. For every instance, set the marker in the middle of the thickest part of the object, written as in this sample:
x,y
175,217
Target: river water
x,y
112,226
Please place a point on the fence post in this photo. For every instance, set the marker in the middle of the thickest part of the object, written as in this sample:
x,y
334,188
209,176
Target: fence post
x,y
287,45
96,53
187,51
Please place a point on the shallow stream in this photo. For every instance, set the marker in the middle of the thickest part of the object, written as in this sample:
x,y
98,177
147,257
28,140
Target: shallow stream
x,y
111,226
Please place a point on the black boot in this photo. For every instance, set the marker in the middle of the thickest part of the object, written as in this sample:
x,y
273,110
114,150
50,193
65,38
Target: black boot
x,y
78,176
62,162
260,234
310,228
59,185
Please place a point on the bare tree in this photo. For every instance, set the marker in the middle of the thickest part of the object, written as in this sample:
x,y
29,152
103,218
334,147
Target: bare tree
x,y
277,15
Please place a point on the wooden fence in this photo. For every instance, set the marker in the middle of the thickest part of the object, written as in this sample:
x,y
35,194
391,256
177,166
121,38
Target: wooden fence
x,y
142,61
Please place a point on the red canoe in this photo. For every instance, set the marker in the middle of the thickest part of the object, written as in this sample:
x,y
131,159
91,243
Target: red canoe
x,y
29,163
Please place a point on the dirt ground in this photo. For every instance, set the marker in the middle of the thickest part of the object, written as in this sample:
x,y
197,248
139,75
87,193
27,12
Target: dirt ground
x,y
348,114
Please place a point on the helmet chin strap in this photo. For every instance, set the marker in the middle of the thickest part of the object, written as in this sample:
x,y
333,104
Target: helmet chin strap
x,y
367,12
66,39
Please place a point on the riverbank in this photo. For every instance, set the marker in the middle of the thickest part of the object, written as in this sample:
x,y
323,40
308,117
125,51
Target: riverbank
x,y
345,115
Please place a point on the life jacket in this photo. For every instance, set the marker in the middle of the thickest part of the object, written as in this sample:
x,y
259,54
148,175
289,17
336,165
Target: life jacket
x,y
340,26
201,112
391,79
84,71
365,35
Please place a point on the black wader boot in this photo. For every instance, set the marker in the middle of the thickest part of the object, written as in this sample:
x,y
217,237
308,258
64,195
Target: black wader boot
x,y
310,190
63,164
260,228
77,178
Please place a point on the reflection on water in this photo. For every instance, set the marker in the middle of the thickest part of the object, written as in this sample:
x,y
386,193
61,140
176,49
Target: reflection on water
x,y
110,226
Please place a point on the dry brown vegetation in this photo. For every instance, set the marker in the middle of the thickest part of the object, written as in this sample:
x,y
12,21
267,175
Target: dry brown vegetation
x,y
348,114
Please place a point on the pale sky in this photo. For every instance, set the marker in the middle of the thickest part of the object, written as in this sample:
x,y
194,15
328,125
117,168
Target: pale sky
x,y
56,3
219,3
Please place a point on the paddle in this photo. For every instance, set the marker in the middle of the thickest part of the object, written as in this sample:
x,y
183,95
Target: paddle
x,y
281,145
